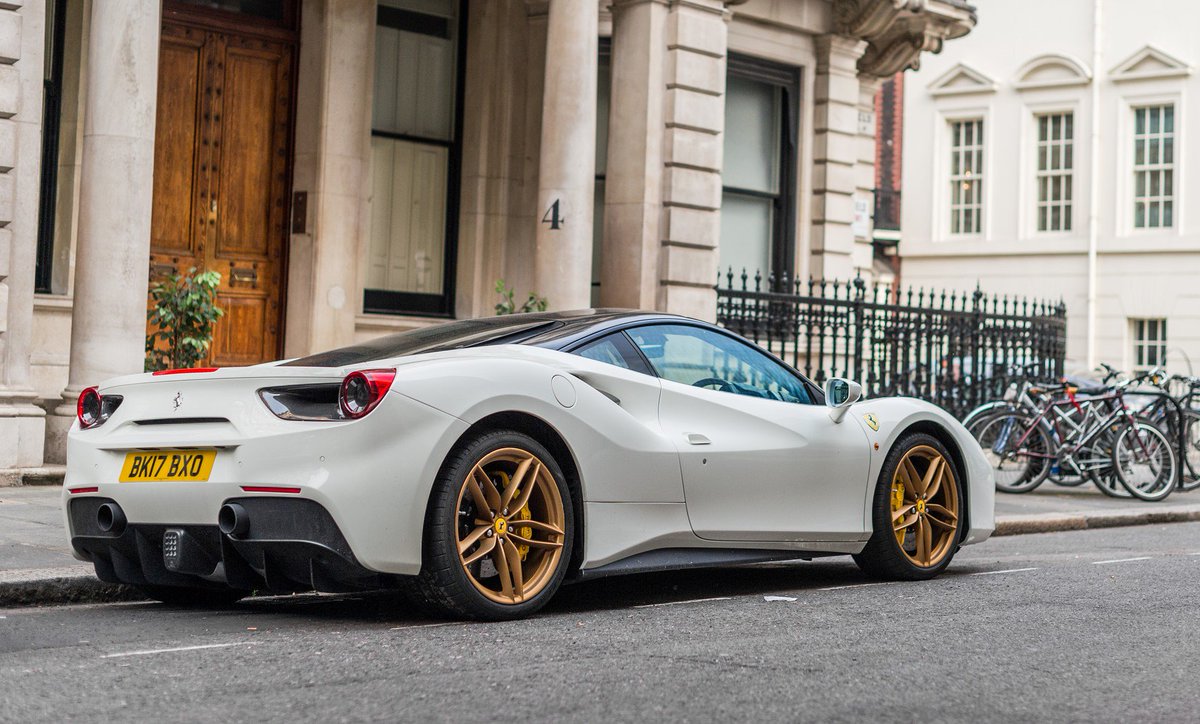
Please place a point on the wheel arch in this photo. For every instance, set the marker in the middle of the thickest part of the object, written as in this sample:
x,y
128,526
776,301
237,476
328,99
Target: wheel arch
x,y
944,436
547,435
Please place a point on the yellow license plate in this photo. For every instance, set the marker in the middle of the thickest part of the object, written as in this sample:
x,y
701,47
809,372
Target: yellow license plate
x,y
163,465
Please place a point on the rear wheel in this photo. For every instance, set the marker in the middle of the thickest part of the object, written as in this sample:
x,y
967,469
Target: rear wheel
x,y
499,531
917,513
194,597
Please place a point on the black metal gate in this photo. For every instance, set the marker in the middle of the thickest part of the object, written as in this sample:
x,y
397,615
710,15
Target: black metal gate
x,y
955,349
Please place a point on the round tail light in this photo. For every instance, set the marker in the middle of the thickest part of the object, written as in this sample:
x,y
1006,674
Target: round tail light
x,y
362,391
89,408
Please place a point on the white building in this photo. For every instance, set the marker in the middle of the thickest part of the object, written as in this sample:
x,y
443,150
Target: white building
x,y
1046,155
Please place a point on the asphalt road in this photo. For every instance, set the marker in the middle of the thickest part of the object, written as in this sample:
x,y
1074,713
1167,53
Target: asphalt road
x,y
1096,625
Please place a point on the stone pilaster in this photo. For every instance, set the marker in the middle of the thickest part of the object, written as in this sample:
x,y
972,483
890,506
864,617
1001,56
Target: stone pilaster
x,y
22,33
567,163
108,322
694,118
333,132
864,175
835,155
634,174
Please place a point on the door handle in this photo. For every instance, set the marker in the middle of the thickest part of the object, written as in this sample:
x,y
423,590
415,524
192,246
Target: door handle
x,y
695,438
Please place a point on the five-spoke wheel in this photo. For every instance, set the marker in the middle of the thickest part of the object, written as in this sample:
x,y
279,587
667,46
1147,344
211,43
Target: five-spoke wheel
x,y
917,513
499,530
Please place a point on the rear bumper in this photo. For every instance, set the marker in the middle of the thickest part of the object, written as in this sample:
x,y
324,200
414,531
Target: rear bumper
x,y
290,544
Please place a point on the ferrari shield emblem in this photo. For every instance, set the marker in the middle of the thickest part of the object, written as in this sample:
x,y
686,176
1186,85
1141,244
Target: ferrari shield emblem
x,y
872,421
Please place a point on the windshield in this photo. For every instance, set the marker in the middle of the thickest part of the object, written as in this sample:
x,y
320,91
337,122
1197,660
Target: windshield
x,y
452,335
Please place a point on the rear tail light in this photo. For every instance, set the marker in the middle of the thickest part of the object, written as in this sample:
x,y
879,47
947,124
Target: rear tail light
x,y
94,409
362,391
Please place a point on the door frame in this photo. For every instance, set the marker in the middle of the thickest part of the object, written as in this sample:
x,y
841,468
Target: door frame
x,y
225,21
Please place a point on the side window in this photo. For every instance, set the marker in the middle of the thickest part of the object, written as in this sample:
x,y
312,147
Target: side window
x,y
614,349
703,358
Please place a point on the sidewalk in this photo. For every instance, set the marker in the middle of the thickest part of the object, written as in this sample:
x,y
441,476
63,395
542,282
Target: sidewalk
x,y
36,565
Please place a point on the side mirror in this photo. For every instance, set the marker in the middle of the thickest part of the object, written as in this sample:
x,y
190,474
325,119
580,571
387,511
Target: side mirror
x,y
840,394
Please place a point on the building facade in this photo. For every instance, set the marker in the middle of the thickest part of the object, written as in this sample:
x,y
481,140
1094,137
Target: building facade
x,y
1048,159
358,167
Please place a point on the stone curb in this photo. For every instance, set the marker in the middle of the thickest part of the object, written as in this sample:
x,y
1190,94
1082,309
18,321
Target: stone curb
x,y
51,586
58,586
1054,522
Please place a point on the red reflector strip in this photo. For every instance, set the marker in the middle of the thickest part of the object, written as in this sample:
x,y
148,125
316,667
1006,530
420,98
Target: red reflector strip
x,y
269,489
185,371
75,491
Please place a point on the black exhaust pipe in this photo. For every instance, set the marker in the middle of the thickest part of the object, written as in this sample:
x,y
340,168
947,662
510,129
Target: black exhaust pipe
x,y
233,520
111,519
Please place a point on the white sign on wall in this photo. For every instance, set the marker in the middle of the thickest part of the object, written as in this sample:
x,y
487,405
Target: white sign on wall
x,y
862,217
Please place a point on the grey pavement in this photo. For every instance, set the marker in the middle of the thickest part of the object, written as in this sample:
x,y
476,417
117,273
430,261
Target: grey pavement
x,y
1092,625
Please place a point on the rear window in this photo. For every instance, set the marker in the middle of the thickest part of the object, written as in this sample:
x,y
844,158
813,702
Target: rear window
x,y
452,335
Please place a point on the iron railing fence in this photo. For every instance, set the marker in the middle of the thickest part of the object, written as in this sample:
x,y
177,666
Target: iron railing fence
x,y
955,349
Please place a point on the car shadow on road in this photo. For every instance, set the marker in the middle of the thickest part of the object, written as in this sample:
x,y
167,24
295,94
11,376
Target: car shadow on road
x,y
613,593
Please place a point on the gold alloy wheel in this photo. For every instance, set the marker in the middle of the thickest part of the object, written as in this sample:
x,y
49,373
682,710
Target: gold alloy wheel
x,y
510,525
924,506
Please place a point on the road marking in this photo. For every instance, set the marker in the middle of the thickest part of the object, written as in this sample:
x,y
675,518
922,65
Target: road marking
x,y
1197,553
426,625
780,598
1121,560
148,652
857,585
677,603
1007,570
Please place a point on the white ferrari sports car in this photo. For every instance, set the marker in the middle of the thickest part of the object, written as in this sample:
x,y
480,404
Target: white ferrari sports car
x,y
478,465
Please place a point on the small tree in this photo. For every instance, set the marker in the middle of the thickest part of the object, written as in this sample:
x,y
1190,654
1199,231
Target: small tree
x,y
507,305
182,318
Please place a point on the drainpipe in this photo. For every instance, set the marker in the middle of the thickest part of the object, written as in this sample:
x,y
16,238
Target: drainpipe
x,y
1094,196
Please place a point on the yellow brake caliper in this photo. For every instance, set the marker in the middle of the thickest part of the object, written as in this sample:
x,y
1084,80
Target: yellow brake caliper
x,y
522,514
897,504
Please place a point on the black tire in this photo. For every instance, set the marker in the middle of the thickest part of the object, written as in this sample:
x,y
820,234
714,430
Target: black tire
x,y
443,588
194,596
883,558
1017,449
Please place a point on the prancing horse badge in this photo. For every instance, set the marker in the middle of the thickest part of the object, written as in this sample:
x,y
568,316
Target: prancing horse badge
x,y
872,421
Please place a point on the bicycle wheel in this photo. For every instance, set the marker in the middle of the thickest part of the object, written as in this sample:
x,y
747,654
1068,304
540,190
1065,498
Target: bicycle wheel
x,y
1189,478
1105,478
1145,461
1018,451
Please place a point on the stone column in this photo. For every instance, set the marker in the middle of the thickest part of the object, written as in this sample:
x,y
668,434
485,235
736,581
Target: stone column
x,y
22,34
566,171
333,146
835,154
108,322
633,181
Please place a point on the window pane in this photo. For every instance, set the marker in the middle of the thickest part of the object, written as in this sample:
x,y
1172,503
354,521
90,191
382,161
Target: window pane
x,y
415,77
752,135
710,360
746,226
408,216
604,351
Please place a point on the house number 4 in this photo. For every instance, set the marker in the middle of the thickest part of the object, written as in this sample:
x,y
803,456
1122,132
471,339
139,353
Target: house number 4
x,y
552,216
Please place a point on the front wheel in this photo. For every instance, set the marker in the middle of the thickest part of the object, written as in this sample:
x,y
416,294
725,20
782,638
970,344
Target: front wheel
x,y
498,532
1018,450
917,513
1145,461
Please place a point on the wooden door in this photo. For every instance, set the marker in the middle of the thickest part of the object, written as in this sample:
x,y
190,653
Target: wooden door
x,y
221,170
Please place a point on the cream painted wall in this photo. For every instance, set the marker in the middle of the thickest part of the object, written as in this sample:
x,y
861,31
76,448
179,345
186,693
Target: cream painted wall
x,y
1140,273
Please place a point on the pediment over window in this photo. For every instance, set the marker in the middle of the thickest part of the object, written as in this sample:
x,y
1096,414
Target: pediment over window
x,y
1052,70
962,80
1150,63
